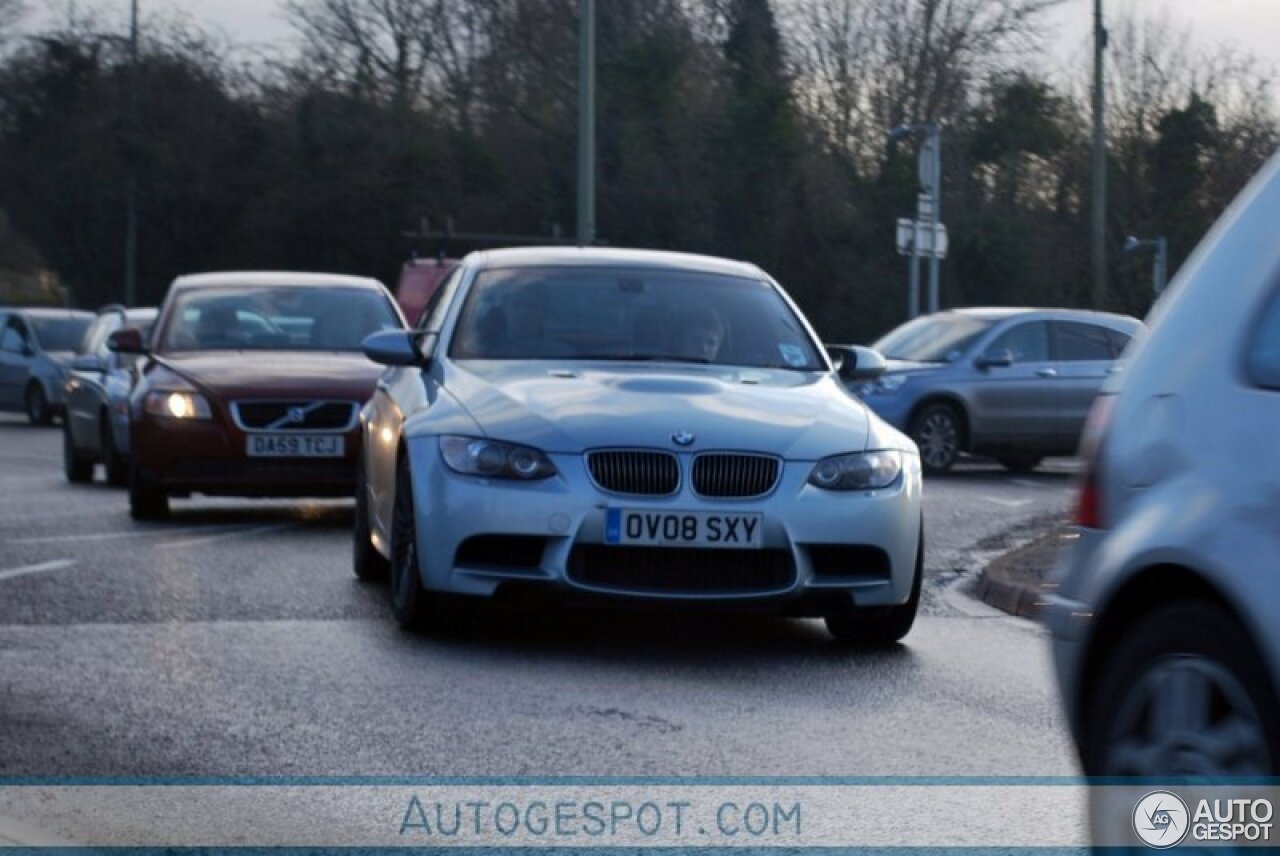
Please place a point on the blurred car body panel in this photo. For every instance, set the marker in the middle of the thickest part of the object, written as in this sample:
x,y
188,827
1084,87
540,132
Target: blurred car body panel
x,y
1165,619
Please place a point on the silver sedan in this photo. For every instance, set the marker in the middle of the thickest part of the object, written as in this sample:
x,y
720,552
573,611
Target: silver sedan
x,y
633,425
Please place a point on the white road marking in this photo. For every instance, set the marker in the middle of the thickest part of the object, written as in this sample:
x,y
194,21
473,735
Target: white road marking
x,y
195,542
55,565
134,533
1007,503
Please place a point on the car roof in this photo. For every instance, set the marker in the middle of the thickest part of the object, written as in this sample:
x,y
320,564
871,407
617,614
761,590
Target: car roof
x,y
611,256
251,278
999,313
45,312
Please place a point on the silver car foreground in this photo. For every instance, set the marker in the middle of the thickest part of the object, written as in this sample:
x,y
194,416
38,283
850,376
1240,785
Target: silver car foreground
x,y
1166,620
639,425
36,346
96,427
1015,384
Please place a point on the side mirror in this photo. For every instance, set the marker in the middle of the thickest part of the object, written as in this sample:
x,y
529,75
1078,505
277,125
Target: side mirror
x,y
395,348
126,341
856,364
89,363
996,360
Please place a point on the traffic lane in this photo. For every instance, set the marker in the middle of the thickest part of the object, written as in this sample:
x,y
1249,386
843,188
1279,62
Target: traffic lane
x,y
80,557
527,694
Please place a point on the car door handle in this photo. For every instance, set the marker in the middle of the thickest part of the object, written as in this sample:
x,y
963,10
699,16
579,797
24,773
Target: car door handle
x,y
1046,372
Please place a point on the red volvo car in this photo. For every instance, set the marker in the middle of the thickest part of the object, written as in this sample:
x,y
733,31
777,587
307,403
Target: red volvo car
x,y
252,386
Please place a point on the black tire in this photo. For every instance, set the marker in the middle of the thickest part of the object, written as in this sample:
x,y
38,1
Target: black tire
x,y
938,432
147,500
38,410
79,470
414,607
881,626
1193,659
368,563
1023,462
116,465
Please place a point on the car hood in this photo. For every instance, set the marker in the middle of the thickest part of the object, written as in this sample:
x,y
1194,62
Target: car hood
x,y
801,416
288,374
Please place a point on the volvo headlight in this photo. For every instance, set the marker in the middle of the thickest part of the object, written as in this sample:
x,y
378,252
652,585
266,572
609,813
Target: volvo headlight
x,y
859,471
177,404
476,456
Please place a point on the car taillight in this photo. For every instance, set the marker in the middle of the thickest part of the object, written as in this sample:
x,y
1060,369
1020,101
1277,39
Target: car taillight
x,y
1089,503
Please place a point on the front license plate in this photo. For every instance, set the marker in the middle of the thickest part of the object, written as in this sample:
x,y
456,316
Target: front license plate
x,y
684,528
294,446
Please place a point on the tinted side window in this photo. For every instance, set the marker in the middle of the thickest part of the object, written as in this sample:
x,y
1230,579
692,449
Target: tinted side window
x,y
1263,359
1077,341
12,340
1119,341
1029,342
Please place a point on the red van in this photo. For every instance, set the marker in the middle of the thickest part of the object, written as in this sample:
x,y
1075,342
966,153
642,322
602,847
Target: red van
x,y
419,281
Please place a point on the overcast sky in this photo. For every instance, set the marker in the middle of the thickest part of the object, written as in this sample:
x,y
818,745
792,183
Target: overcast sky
x,y
1250,24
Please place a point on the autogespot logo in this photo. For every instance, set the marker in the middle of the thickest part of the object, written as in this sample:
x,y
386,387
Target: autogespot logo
x,y
1160,819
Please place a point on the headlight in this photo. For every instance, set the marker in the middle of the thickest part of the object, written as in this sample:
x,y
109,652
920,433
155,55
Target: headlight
x,y
860,471
884,384
177,405
474,456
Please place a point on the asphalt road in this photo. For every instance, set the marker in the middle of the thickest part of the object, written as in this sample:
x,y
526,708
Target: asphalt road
x,y
234,640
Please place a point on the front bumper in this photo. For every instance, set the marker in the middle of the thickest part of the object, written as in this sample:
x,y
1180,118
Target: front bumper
x,y
820,550
208,457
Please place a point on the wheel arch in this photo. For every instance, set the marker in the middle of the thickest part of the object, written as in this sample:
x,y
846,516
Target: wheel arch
x,y
953,401
1153,587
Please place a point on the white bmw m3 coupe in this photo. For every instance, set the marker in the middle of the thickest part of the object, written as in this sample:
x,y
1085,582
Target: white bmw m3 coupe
x,y
634,425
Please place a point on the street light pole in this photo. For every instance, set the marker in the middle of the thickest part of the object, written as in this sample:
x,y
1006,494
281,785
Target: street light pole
x,y
586,122
935,148
131,169
1098,247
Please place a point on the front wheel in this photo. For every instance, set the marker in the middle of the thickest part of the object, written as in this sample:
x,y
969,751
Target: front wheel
x,y
880,626
147,500
116,465
37,404
414,607
79,470
936,431
1182,693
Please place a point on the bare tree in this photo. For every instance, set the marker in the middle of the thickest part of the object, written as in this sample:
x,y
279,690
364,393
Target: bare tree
x,y
870,64
376,47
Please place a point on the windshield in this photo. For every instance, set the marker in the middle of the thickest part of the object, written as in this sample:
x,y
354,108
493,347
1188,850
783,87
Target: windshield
x,y
631,315
59,334
276,318
932,339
